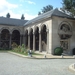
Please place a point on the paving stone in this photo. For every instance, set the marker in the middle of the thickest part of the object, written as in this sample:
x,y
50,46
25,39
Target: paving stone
x,y
14,65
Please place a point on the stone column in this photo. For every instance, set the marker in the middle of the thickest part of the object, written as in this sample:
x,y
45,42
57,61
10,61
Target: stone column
x,y
33,41
40,41
29,41
10,41
47,48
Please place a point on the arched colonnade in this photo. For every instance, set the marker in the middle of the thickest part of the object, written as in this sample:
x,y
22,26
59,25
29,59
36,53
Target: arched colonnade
x,y
7,37
37,38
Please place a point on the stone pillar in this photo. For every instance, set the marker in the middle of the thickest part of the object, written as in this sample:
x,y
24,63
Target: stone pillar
x,y
47,48
40,41
29,41
10,41
33,41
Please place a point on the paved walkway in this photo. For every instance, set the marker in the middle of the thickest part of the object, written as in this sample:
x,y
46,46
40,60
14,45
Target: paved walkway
x,y
14,65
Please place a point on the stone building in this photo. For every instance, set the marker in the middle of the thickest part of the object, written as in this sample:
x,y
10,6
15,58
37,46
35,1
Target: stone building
x,y
43,33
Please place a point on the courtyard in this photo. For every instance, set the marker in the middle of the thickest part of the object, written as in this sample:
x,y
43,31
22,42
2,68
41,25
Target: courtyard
x,y
14,65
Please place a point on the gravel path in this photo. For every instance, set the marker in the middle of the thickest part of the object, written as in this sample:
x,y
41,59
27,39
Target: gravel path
x,y
15,65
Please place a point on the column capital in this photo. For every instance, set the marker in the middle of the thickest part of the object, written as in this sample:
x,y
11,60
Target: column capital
x,y
47,30
33,33
39,32
28,34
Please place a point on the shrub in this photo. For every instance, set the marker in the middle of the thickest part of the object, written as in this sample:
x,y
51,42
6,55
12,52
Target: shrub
x,y
58,51
14,45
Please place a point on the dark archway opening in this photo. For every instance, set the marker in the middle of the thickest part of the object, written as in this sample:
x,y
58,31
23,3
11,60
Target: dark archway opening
x,y
5,38
37,39
44,37
74,51
26,38
16,37
31,39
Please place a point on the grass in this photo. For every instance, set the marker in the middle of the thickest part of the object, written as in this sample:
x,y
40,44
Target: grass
x,y
26,53
19,52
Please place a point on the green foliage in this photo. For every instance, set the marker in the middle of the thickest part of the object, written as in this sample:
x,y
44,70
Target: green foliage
x,y
8,15
46,9
21,49
14,45
22,17
69,6
39,13
58,51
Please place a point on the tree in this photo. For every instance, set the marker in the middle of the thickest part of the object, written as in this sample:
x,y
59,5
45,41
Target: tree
x,y
69,6
8,15
46,9
39,13
22,17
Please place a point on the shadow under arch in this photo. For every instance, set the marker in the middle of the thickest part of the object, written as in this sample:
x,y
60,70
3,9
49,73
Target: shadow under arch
x,y
37,38
31,38
43,37
16,37
26,38
5,39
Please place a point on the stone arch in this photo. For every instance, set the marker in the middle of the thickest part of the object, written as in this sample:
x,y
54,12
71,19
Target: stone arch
x,y
41,26
26,32
44,37
29,30
16,37
65,30
5,28
67,23
35,27
17,30
5,38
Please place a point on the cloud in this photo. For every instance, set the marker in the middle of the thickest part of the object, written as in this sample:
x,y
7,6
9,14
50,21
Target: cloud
x,y
21,0
18,15
30,2
26,15
6,7
29,17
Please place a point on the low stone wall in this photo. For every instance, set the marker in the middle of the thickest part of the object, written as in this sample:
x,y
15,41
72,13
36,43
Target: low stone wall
x,y
72,67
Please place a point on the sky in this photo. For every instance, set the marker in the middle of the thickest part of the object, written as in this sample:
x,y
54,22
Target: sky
x,y
29,8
